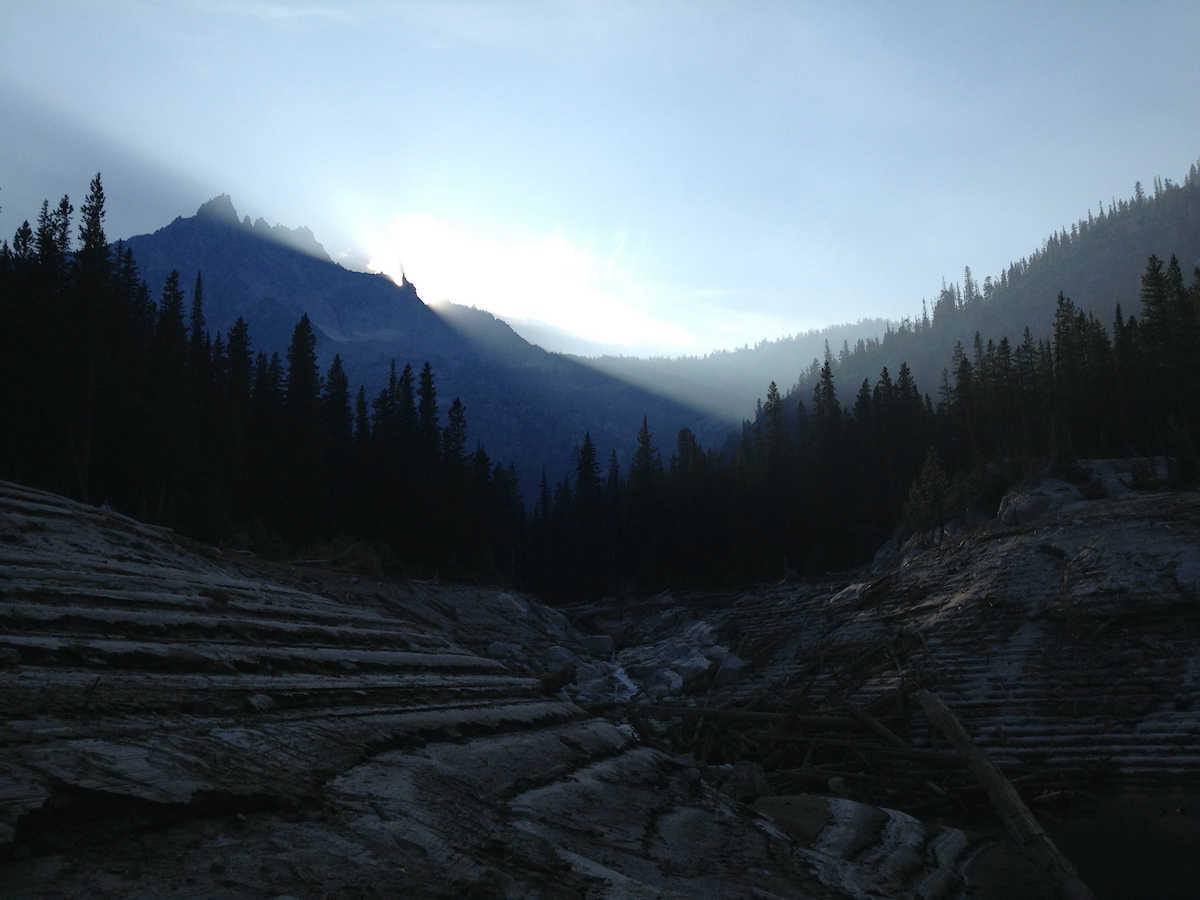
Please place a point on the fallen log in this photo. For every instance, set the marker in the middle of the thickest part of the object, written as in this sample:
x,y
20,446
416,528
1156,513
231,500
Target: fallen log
x,y
797,705
874,725
1018,820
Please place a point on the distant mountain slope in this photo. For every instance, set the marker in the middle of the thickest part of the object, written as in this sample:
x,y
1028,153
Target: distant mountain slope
x,y
1098,264
526,405
728,382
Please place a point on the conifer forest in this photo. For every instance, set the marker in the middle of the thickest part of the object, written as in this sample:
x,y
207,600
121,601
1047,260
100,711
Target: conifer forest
x,y
119,394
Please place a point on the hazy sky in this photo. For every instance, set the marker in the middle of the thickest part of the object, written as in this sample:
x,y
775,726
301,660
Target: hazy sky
x,y
666,175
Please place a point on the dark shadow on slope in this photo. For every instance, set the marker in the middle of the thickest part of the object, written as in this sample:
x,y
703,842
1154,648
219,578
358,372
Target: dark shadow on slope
x,y
559,396
525,405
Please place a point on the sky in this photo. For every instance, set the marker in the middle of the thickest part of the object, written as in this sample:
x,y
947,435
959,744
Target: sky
x,y
656,177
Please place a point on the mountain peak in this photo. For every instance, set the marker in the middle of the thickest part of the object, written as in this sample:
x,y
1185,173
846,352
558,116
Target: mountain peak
x,y
219,207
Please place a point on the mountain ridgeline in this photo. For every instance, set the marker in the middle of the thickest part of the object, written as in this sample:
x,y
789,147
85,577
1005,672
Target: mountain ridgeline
x,y
129,395
527,406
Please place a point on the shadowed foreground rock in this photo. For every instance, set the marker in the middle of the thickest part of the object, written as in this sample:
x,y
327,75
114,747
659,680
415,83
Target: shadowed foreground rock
x,y
1066,641
183,722
179,722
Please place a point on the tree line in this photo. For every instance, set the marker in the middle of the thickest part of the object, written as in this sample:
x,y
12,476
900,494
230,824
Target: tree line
x,y
818,485
118,396
1099,257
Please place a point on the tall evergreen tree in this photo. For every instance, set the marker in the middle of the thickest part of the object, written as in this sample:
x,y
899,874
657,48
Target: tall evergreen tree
x,y
303,376
362,427
587,472
427,415
336,404
198,344
240,363
454,437
406,405
93,245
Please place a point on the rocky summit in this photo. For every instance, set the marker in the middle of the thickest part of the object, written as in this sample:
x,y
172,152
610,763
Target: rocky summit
x,y
182,721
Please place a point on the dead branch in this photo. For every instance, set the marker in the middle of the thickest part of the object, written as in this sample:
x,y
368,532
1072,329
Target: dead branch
x,y
1020,822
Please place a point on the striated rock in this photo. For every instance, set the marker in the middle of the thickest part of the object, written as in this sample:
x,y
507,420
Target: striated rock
x,y
1034,500
226,751
505,649
179,721
259,703
1069,647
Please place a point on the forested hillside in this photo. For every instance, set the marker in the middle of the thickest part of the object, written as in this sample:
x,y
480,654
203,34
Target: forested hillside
x,y
820,485
125,396
1097,263
529,406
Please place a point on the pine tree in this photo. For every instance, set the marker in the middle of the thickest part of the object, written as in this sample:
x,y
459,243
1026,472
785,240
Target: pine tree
x,y
303,377
173,411
170,334
454,436
93,250
427,413
931,500
862,403
1156,317
362,424
826,408
240,363
776,427
52,241
24,246
384,407
545,501
406,405
587,472
197,340
645,503
647,464
335,403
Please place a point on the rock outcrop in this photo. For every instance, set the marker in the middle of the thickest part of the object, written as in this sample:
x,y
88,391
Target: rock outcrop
x,y
184,722
180,720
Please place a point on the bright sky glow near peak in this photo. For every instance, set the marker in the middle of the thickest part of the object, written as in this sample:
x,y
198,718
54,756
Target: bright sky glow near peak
x,y
587,289
664,176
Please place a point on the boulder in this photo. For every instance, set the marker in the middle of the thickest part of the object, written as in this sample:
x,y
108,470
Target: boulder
x,y
599,644
730,669
693,664
1036,500
561,656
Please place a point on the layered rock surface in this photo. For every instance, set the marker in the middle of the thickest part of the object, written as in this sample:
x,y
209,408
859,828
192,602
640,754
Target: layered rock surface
x,y
1070,640
180,721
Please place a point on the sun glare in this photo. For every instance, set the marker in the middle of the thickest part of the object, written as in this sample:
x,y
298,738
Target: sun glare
x,y
545,278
